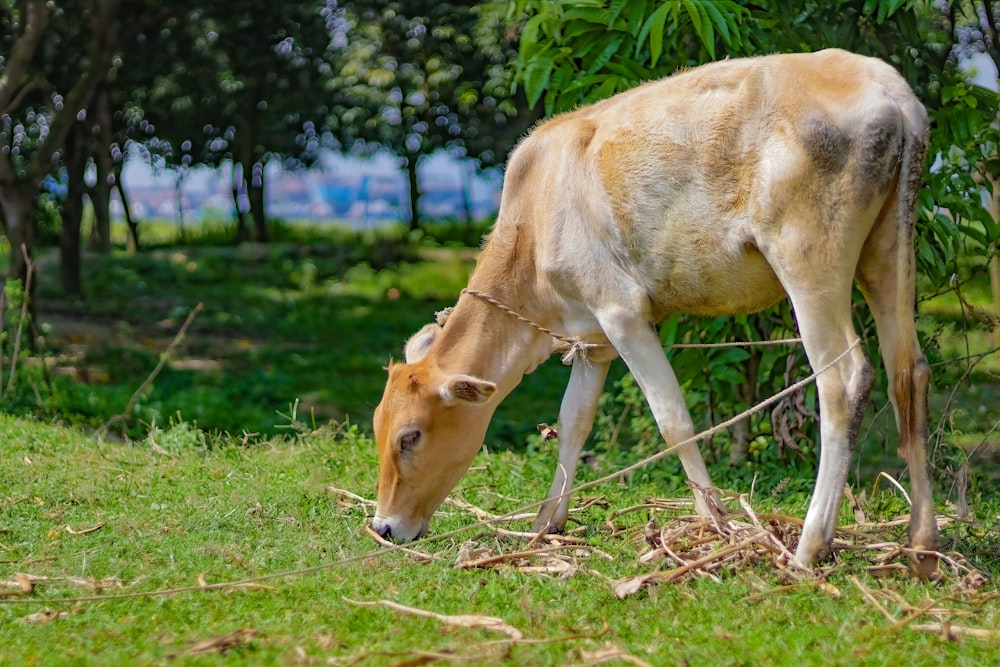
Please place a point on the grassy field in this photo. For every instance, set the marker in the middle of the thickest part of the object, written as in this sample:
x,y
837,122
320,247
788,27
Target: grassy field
x,y
242,480
90,519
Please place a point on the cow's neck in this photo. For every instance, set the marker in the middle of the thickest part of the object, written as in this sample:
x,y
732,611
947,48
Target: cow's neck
x,y
482,340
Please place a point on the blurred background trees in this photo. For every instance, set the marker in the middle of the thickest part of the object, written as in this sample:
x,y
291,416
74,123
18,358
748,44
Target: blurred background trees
x,y
418,77
58,55
88,83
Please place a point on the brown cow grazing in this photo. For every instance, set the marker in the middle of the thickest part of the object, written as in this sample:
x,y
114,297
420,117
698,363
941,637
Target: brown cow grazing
x,y
719,190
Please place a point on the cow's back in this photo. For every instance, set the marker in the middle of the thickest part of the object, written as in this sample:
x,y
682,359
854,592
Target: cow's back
x,y
680,181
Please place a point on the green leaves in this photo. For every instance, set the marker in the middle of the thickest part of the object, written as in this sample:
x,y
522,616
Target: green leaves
x,y
537,74
883,9
574,52
955,225
654,27
707,19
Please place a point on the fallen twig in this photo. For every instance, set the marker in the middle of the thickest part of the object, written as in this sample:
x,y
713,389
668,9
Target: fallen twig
x,y
484,515
23,584
164,357
421,556
487,561
951,631
479,653
541,537
84,531
480,513
943,626
871,598
892,480
353,496
609,653
220,644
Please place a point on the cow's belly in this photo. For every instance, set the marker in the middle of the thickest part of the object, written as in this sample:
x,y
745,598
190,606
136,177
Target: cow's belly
x,y
724,283
750,287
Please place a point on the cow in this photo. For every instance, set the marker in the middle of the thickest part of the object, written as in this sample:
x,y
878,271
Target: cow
x,y
716,191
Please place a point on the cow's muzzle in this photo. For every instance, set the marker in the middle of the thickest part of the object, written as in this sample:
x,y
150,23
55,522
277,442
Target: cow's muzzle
x,y
390,529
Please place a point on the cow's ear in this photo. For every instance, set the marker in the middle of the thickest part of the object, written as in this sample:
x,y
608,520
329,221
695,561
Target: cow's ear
x,y
416,348
467,389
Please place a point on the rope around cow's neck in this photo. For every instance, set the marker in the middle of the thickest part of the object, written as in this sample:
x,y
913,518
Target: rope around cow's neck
x,y
574,346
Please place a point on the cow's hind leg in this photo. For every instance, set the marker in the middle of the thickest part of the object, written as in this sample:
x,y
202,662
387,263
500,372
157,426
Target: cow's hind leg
x,y
885,275
576,419
821,297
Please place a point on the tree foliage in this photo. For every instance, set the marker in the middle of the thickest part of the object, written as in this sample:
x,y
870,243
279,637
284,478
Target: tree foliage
x,y
194,83
42,94
416,77
222,85
574,52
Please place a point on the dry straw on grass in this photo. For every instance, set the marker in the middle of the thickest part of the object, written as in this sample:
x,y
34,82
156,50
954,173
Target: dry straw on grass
x,y
680,547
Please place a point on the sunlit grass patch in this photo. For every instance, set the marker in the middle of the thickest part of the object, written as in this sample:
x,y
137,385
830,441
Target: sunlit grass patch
x,y
212,515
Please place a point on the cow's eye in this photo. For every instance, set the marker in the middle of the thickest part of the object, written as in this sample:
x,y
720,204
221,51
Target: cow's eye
x,y
409,440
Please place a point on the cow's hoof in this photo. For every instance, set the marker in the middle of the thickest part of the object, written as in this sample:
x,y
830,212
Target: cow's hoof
x,y
548,528
924,565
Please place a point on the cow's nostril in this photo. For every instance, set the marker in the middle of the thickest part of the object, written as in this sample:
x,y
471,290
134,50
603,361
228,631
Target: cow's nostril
x,y
383,531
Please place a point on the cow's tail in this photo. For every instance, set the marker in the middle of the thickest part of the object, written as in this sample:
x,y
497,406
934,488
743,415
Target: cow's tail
x,y
910,370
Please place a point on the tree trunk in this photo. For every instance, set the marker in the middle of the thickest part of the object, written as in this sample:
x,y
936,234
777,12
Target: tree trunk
x,y
179,201
131,226
17,193
255,192
411,172
747,393
100,195
995,267
468,178
17,202
18,205
239,215
75,157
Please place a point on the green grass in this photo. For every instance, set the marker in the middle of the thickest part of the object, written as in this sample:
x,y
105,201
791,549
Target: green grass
x,y
177,508
285,356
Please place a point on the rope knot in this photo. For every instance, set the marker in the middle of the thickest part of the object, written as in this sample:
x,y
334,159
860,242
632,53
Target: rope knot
x,y
574,349
441,316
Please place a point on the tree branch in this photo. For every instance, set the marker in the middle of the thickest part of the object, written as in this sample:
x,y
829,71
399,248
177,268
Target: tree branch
x,y
25,298
990,38
102,45
34,17
23,92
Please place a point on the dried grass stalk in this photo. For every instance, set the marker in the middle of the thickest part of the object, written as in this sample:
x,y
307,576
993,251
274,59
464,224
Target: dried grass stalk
x,y
459,620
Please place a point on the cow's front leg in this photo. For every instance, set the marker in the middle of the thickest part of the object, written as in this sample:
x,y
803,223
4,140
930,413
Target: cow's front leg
x,y
639,346
576,419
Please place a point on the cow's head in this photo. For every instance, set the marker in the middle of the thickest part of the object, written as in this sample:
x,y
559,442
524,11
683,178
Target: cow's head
x,y
428,426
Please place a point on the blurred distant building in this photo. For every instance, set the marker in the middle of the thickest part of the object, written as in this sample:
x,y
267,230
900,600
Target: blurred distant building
x,y
354,196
